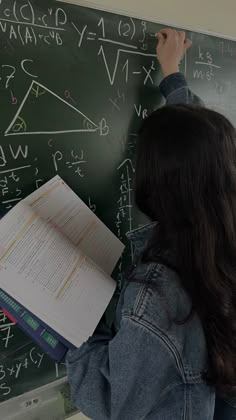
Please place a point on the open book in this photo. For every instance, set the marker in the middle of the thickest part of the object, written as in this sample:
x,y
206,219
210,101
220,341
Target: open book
x,y
56,258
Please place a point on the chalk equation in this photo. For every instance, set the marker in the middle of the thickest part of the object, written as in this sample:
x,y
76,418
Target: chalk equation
x,y
6,333
127,33
205,66
73,161
32,362
228,50
21,23
127,44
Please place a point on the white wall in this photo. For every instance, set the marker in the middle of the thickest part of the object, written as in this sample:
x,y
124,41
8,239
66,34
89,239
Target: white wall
x,y
217,16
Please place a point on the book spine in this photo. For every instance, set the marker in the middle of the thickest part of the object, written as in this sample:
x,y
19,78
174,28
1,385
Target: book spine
x,y
30,325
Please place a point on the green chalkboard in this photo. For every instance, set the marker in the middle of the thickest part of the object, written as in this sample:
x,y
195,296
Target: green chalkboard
x,y
75,84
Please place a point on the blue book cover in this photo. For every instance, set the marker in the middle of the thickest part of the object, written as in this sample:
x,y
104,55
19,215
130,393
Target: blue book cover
x,y
51,342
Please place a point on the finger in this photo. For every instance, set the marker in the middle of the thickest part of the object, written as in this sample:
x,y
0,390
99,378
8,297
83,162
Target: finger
x,y
187,44
182,35
160,37
166,32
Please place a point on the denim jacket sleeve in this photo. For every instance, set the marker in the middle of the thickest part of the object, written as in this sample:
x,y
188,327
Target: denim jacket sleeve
x,y
176,91
112,378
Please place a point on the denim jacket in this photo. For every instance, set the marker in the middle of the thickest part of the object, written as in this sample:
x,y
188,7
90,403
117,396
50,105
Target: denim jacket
x,y
146,368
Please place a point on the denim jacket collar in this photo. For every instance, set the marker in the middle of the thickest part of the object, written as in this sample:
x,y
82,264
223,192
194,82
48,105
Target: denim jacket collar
x,y
140,237
141,232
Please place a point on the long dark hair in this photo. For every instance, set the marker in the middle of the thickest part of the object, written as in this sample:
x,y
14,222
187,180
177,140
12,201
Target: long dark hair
x,y
186,180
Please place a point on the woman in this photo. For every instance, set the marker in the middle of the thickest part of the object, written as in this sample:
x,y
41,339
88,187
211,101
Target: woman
x,y
172,355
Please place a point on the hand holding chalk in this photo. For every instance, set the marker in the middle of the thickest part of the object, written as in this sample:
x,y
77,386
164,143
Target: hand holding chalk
x,y
171,47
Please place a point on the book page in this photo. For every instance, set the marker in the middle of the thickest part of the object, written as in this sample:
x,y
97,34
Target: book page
x,y
44,271
58,204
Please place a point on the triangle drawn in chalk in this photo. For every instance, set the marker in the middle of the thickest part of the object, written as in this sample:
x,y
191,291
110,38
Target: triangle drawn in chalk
x,y
44,112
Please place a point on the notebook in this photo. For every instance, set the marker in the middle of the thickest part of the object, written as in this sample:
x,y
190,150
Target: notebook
x,y
56,261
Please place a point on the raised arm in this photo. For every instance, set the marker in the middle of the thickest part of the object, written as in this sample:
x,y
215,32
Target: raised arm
x,y
171,47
